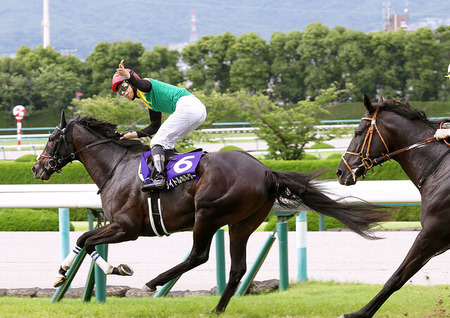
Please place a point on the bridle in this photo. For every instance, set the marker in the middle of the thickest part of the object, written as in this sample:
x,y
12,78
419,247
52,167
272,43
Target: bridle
x,y
367,162
63,151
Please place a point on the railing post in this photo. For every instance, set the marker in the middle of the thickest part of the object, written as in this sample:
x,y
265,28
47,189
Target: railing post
x,y
220,262
301,230
64,231
321,222
164,290
282,230
248,279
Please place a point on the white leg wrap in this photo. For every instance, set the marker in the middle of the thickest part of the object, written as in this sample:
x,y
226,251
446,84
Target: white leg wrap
x,y
105,266
68,261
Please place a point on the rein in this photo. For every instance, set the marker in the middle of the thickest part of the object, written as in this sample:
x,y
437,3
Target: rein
x,y
368,163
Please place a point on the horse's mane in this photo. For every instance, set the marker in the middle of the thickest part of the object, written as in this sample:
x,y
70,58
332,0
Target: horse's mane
x,y
109,130
405,110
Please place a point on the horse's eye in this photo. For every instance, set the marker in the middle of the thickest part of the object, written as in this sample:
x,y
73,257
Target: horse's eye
x,y
357,133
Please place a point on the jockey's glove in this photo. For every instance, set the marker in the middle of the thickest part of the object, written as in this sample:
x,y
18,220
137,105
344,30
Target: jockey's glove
x,y
442,134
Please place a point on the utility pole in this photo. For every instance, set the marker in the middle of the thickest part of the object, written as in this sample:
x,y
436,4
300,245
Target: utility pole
x,y
46,25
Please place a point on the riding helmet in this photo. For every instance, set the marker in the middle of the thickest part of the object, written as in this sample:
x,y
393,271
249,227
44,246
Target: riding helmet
x,y
117,79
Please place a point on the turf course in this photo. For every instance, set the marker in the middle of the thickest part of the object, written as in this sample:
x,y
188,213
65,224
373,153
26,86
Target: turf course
x,y
310,299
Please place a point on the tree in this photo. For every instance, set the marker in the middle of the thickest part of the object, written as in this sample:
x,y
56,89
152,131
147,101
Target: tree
x,y
287,68
55,86
16,90
442,36
161,64
287,130
250,64
209,62
424,70
353,61
40,78
388,63
316,54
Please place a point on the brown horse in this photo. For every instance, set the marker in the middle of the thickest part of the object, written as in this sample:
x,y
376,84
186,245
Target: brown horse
x,y
234,189
395,125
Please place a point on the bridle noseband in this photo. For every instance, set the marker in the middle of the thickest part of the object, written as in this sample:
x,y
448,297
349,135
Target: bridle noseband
x,y
367,162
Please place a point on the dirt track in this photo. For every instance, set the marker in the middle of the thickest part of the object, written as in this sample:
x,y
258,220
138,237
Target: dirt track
x,y
31,259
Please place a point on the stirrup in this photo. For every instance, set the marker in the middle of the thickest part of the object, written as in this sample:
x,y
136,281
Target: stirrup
x,y
157,184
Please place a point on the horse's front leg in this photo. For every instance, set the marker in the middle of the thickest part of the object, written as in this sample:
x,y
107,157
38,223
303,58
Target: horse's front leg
x,y
111,233
68,261
426,245
203,233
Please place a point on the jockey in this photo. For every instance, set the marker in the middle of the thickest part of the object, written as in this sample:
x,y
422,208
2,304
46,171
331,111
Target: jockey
x,y
187,113
443,133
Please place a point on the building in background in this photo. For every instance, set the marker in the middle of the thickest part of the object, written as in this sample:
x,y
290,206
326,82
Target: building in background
x,y
394,22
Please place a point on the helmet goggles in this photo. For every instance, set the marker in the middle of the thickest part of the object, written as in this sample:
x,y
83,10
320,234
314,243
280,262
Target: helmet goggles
x,y
121,89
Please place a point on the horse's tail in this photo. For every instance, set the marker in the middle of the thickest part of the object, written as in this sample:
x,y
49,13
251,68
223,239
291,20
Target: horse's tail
x,y
291,189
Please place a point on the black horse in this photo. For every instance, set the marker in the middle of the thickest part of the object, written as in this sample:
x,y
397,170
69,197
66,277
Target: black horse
x,y
234,189
395,125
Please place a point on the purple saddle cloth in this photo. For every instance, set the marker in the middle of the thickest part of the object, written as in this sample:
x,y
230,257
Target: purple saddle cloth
x,y
181,168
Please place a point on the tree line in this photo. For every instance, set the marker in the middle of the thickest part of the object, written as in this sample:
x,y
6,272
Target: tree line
x,y
282,87
290,68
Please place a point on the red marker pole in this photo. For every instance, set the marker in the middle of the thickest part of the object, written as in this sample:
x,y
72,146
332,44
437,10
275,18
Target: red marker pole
x,y
19,112
19,133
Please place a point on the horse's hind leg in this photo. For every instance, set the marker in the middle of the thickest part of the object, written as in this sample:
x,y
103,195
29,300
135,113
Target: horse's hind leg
x,y
423,249
239,234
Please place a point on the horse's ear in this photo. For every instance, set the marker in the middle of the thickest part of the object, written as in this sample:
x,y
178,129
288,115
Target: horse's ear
x,y
62,124
368,104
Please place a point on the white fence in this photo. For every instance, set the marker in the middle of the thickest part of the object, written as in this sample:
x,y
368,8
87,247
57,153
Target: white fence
x,y
85,195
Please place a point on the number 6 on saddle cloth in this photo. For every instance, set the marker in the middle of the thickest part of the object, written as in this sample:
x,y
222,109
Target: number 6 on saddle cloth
x,y
179,169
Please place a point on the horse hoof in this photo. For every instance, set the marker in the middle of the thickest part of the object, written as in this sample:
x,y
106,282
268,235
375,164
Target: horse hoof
x,y
125,270
148,289
60,280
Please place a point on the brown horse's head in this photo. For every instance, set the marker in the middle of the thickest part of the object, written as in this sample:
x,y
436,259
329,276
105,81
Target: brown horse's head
x,y
376,136
56,153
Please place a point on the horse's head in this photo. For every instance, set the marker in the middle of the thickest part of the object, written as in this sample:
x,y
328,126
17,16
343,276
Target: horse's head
x,y
368,143
58,151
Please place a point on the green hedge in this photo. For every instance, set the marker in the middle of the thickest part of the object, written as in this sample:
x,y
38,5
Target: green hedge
x,y
29,220
13,172
230,148
313,222
390,171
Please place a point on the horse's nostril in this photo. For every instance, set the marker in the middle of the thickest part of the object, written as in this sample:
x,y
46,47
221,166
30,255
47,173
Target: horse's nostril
x,y
338,172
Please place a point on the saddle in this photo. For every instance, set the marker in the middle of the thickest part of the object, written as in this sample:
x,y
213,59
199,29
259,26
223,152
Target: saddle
x,y
179,167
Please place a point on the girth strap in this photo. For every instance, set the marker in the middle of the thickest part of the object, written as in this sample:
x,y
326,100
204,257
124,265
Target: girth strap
x,y
155,216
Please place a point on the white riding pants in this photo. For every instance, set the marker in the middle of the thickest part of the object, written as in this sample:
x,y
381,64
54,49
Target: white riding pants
x,y
188,115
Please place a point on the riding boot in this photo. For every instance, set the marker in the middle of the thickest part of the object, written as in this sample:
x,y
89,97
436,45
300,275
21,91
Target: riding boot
x,y
159,177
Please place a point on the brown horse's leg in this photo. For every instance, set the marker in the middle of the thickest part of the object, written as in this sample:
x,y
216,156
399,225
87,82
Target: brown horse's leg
x,y
204,229
239,234
423,249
